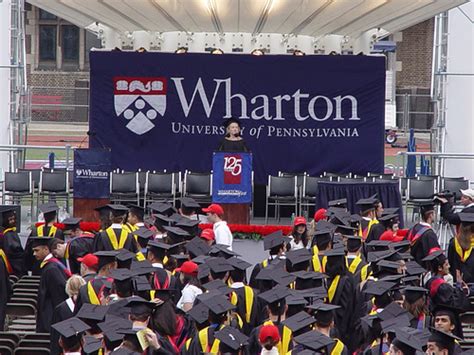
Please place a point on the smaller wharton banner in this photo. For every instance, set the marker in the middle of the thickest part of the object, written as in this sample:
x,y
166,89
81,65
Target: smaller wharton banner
x,y
92,173
232,178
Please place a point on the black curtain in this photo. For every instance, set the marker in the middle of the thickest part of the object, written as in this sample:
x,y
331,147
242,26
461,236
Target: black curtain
x,y
387,192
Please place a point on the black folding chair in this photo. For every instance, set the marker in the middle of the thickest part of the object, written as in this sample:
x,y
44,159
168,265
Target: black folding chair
x,y
124,187
198,186
281,191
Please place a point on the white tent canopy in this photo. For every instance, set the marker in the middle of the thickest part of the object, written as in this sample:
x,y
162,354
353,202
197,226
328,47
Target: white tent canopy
x,y
298,17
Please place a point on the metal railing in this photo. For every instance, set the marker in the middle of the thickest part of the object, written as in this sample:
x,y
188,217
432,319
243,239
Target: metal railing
x,y
438,159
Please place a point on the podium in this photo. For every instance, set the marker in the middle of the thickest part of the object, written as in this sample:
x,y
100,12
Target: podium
x,y
232,185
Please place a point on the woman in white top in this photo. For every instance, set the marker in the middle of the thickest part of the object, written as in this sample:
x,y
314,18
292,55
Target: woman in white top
x,y
188,276
299,235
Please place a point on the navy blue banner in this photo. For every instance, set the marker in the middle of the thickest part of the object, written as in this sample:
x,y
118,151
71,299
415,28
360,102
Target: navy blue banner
x,y
92,173
232,178
309,113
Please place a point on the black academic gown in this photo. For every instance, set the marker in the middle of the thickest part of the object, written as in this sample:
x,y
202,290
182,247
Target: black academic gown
x,y
83,297
11,245
5,292
375,232
102,241
466,267
78,247
345,297
421,247
163,280
195,347
51,293
62,312
241,308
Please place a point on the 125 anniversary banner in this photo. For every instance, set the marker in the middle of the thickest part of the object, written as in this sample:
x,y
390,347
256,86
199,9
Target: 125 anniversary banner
x,y
165,111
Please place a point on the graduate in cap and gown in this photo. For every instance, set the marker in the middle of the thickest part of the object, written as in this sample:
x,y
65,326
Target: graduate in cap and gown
x,y
11,250
135,218
5,291
441,342
47,230
118,235
460,255
70,333
80,243
423,239
367,211
52,283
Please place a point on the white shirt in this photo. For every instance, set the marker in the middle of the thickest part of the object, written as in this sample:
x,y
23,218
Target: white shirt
x,y
237,285
160,265
222,234
272,351
294,245
188,295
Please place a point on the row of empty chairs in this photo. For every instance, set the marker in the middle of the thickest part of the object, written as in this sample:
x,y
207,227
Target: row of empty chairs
x,y
299,190
45,185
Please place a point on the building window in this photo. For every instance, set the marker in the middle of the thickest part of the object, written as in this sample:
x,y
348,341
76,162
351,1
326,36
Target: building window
x,y
47,43
70,43
91,41
45,15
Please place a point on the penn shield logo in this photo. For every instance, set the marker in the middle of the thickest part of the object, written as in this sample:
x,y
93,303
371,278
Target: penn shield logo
x,y
139,100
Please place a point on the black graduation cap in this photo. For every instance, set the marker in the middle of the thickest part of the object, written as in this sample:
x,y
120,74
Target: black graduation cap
x,y
189,202
136,210
180,258
231,339
201,259
217,285
392,324
121,274
426,207
407,342
366,204
274,239
119,309
118,210
276,274
92,312
49,207
295,299
219,265
165,294
309,275
391,266
144,233
413,293
275,294
324,311
162,207
388,219
112,325
176,233
140,284
411,280
142,267
70,327
314,340
38,241
378,245
139,305
392,278
441,337
197,246
342,203
391,311
299,321
216,303
376,256
91,345
71,223
401,245
203,271
187,224
298,256
199,313
339,252
222,250
466,218
315,293
413,268
239,264
163,220
378,288
124,256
